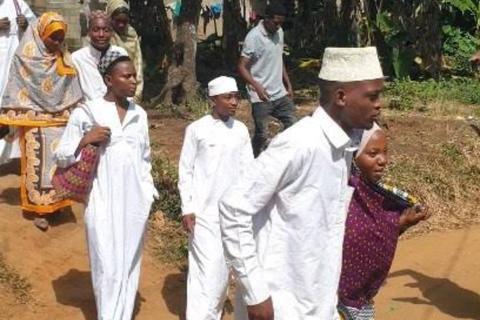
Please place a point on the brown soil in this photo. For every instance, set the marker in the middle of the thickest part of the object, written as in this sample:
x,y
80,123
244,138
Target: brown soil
x,y
434,277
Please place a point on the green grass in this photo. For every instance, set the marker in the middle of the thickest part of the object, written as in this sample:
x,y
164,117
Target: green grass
x,y
429,95
169,241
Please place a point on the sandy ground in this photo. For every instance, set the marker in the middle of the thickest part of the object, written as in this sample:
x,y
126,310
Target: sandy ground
x,y
434,277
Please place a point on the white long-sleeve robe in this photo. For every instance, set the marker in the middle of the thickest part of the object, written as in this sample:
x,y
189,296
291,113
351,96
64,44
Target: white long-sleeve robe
x,y
213,155
86,62
118,208
9,41
283,221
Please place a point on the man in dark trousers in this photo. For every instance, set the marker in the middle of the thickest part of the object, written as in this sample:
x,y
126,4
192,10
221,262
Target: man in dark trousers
x,y
261,67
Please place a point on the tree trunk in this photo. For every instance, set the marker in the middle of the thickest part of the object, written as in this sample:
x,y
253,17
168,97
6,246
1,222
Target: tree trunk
x,y
182,75
187,35
152,24
234,30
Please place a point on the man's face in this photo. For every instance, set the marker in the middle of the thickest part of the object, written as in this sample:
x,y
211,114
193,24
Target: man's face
x,y
100,33
226,104
273,24
122,80
362,103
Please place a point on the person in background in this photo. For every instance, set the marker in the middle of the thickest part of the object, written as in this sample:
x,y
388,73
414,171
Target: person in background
x,y
122,193
125,36
42,90
86,59
375,220
283,220
15,16
215,151
261,67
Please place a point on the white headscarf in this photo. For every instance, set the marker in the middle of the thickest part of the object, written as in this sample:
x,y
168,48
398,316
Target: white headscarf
x,y
367,134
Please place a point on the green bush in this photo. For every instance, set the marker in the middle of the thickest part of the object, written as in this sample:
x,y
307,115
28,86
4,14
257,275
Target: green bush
x,y
406,94
458,47
165,177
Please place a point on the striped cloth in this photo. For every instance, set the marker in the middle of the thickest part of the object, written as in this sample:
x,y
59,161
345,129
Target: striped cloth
x,y
367,312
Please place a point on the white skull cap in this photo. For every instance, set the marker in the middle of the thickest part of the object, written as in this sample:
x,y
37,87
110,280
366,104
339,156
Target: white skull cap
x,y
222,85
350,64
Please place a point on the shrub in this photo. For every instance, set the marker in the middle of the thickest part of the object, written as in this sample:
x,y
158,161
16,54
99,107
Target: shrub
x,y
406,94
165,177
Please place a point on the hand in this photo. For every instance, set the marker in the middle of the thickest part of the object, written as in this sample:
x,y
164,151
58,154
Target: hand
x,y
262,311
262,93
290,92
4,24
188,222
97,135
413,215
22,22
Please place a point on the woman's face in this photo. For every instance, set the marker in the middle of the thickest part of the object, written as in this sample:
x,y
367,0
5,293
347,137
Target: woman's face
x,y
373,159
54,42
120,23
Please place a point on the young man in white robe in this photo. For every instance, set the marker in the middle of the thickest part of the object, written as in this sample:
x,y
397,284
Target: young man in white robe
x,y
14,20
283,221
215,151
86,59
119,204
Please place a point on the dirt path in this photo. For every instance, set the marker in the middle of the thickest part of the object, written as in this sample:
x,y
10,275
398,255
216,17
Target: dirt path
x,y
55,263
434,277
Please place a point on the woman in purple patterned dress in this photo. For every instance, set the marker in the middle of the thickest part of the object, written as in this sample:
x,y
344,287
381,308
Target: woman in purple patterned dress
x,y
375,221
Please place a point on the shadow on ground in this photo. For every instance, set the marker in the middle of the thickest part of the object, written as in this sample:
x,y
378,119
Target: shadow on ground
x,y
11,167
443,294
174,293
75,289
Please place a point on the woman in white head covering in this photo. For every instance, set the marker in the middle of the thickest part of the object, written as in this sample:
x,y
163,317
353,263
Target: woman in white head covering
x,y
377,216
215,150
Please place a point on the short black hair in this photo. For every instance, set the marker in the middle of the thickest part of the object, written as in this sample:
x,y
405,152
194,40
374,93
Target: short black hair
x,y
113,64
275,8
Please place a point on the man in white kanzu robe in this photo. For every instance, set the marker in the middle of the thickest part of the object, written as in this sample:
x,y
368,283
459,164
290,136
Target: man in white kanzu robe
x,y
86,59
119,204
10,36
283,221
216,149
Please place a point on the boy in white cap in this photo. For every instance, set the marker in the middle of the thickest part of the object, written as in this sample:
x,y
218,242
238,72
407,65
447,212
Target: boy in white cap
x,y
283,221
216,149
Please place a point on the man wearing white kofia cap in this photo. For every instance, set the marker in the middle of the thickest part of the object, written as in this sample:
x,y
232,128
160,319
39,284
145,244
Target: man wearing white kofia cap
x,y
283,221
216,149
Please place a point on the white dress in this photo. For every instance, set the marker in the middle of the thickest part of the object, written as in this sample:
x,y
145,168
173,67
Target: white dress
x,y
213,155
86,62
283,221
9,40
119,205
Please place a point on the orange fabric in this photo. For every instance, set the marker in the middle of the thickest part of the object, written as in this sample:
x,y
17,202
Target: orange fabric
x,y
49,23
33,123
52,28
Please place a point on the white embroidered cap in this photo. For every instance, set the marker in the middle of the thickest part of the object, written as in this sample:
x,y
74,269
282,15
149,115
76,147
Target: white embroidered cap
x,y
350,64
221,85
